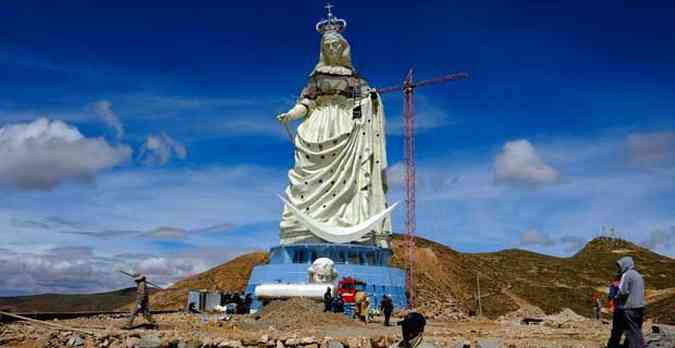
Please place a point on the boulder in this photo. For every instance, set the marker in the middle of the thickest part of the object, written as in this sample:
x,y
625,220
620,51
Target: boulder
x,y
332,343
75,341
308,340
662,336
132,342
292,342
227,343
149,341
489,343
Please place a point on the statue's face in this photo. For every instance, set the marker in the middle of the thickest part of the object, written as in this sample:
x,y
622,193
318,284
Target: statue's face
x,y
333,48
322,271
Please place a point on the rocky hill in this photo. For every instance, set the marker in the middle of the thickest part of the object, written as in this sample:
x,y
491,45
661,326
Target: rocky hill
x,y
509,279
231,276
513,279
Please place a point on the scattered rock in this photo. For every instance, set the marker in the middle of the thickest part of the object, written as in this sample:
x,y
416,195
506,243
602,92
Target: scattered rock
x,y
75,341
488,343
149,341
250,341
662,336
332,343
264,339
132,342
230,344
308,340
463,343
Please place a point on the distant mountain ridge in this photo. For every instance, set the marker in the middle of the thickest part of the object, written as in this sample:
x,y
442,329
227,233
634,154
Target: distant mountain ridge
x,y
99,302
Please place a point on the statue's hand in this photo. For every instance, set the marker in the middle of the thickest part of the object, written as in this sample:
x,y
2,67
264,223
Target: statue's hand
x,y
283,117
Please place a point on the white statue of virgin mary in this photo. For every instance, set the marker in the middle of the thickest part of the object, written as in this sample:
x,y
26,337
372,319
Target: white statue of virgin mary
x,y
337,186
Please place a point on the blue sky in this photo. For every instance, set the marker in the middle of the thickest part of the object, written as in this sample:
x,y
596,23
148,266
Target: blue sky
x,y
143,136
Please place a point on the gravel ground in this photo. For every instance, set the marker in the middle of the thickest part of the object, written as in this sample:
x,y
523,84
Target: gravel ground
x,y
303,324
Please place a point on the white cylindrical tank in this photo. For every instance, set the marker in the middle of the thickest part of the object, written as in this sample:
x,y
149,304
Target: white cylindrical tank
x,y
269,291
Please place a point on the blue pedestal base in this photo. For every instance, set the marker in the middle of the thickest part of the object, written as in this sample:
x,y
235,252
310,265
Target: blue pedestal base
x,y
288,265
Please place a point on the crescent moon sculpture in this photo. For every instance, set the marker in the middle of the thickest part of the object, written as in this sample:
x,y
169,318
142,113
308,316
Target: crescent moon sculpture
x,y
338,235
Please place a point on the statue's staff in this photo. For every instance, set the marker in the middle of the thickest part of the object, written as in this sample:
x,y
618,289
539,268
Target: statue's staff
x,y
291,137
147,281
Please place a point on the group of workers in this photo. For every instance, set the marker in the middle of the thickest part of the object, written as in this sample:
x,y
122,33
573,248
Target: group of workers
x,y
335,303
332,303
237,303
412,325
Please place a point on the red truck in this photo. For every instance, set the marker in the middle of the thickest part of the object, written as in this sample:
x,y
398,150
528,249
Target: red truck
x,y
347,288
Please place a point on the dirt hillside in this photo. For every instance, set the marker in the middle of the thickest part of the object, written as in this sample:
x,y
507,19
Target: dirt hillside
x,y
513,279
509,279
108,301
231,276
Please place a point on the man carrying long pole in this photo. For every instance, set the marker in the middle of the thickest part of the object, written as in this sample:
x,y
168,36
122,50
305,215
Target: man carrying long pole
x,y
142,301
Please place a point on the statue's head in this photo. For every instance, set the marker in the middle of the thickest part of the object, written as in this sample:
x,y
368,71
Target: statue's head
x,y
322,271
335,56
335,49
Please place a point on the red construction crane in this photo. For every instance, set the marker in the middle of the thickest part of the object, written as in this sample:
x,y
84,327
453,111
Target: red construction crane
x,y
408,89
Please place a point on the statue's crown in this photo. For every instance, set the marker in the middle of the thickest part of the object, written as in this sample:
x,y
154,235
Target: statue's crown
x,y
331,23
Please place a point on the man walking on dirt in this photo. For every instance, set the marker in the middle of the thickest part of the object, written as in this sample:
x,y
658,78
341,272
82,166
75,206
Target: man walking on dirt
x,y
141,306
361,305
386,306
631,303
412,329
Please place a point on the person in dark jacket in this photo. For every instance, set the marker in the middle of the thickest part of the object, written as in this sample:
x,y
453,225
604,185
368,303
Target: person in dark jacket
x,y
386,306
327,300
141,306
631,303
338,305
617,313
412,331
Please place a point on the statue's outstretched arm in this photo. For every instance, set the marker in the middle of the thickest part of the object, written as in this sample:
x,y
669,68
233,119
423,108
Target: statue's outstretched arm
x,y
297,112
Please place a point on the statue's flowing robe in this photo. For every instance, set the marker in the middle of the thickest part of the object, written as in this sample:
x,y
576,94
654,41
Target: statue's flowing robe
x,y
340,160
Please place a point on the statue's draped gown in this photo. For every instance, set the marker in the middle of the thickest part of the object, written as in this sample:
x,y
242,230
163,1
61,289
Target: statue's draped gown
x,y
340,159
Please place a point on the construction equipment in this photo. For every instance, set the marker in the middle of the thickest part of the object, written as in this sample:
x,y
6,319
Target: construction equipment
x,y
347,288
408,88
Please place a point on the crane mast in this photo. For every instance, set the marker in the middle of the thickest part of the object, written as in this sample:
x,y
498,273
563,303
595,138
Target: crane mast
x,y
408,90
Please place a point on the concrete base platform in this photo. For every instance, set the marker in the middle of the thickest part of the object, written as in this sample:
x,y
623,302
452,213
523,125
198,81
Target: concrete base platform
x,y
288,265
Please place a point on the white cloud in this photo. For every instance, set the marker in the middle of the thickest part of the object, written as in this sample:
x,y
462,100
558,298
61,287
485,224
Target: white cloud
x,y
173,267
573,243
160,149
42,154
660,237
652,149
166,233
75,269
534,237
103,109
519,163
